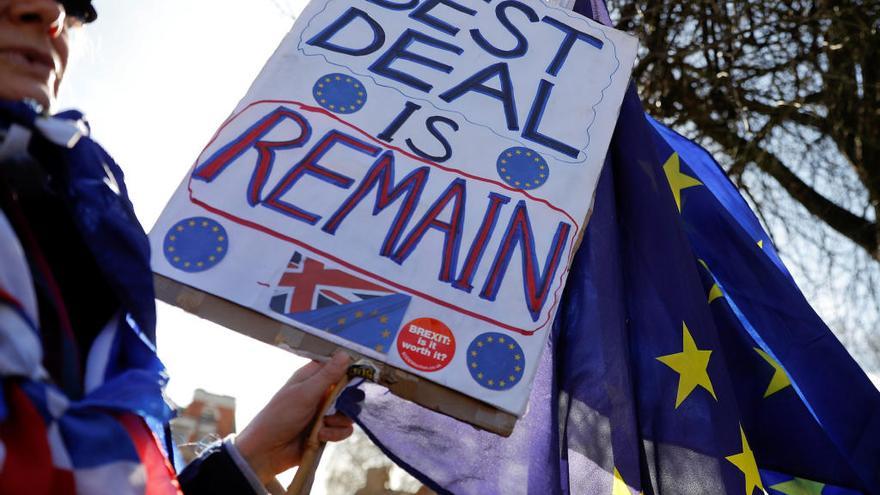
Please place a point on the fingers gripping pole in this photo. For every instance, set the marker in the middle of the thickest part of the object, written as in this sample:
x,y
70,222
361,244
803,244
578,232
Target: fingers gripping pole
x,y
313,448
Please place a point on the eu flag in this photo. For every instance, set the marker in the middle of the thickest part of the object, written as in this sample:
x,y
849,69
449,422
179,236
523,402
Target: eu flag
x,y
684,359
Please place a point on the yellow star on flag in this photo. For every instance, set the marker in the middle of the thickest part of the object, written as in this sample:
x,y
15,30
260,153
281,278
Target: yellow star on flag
x,y
677,180
799,486
745,462
618,487
691,364
714,291
780,378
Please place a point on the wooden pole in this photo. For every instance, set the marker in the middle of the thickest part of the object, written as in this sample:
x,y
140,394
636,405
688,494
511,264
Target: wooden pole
x,y
313,448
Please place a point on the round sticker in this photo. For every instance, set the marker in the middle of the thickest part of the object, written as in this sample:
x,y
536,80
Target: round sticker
x,y
522,168
426,344
195,244
339,93
496,361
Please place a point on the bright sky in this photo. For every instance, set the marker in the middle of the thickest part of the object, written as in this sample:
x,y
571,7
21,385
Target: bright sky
x,y
155,79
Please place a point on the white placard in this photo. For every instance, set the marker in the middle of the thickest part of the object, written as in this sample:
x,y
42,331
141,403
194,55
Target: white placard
x,y
409,179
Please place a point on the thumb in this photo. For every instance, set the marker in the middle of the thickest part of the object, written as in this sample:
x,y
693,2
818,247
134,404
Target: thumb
x,y
330,373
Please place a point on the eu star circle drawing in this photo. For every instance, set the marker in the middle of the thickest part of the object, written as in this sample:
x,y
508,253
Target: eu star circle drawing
x,y
522,168
195,244
340,93
496,361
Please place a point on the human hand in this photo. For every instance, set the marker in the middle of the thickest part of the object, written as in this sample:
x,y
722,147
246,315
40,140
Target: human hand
x,y
273,441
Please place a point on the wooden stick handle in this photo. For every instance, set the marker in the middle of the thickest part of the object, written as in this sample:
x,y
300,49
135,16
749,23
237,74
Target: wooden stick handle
x,y
313,448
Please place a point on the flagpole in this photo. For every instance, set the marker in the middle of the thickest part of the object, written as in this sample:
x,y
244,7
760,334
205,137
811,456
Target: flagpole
x,y
312,447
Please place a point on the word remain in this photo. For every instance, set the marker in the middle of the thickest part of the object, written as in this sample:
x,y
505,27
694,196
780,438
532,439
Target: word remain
x,y
386,188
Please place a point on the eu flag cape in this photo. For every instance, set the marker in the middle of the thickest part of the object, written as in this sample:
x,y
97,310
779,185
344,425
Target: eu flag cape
x,y
683,360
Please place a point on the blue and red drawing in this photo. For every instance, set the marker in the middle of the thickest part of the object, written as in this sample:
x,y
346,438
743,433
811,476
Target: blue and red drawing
x,y
339,303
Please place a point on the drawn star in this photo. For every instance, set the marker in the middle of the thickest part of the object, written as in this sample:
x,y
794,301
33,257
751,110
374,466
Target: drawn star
x,y
379,347
385,334
691,364
799,486
745,462
677,180
780,378
383,319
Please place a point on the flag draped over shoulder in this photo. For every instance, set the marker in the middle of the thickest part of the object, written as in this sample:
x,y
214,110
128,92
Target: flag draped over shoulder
x,y
92,426
683,358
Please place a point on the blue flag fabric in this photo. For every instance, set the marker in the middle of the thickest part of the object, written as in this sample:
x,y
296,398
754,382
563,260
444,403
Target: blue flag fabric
x,y
683,358
812,374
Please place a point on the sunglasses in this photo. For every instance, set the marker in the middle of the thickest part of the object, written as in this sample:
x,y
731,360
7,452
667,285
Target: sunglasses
x,y
80,9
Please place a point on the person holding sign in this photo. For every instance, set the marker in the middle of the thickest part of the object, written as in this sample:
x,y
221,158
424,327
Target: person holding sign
x,y
82,409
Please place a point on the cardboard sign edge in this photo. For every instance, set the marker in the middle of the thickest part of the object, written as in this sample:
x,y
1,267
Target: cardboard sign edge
x,y
275,333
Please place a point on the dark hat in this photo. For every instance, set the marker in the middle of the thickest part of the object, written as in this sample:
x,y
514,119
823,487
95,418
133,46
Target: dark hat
x,y
81,9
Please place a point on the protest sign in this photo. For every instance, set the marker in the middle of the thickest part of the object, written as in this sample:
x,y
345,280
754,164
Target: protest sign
x,y
408,180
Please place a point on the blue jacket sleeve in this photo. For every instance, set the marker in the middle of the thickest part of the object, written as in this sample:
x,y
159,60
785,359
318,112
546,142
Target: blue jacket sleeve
x,y
219,470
